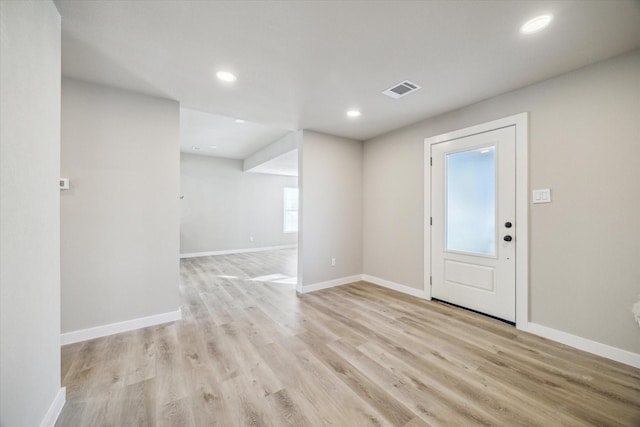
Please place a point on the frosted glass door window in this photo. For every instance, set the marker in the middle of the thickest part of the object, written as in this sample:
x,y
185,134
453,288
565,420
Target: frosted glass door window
x,y
471,201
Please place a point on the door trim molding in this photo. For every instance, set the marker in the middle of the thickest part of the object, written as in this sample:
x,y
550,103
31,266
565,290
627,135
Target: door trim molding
x,y
521,123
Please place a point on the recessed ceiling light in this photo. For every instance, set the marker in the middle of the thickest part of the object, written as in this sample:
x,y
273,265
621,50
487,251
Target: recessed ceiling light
x,y
213,146
240,121
195,147
353,113
226,76
536,24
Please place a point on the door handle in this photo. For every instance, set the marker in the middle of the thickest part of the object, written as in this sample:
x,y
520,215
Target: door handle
x,y
508,238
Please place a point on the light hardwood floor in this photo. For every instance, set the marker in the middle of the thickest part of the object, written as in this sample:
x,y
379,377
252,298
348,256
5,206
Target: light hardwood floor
x,y
253,353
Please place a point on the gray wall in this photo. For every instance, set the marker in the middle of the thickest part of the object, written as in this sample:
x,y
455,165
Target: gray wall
x,y
585,246
29,211
120,219
331,182
223,207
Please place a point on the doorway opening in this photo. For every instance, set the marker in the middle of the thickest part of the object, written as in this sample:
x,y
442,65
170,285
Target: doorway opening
x,y
239,197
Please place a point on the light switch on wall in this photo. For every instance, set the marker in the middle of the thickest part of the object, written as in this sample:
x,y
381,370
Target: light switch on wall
x,y
542,195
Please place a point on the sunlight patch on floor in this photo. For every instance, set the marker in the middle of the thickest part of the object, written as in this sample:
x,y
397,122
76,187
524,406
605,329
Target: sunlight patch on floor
x,y
276,278
287,281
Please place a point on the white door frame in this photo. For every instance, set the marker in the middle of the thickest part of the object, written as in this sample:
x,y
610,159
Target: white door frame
x,y
521,123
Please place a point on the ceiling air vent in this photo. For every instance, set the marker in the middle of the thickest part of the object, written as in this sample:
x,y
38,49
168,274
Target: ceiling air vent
x,y
401,89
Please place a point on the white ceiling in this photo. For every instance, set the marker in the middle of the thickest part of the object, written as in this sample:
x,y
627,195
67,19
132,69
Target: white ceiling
x,y
303,64
231,140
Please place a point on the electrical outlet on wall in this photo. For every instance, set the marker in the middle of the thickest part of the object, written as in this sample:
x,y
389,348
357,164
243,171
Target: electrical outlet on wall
x,y
251,239
333,262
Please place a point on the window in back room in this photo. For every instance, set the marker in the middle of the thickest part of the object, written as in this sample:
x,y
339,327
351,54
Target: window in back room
x,y
290,210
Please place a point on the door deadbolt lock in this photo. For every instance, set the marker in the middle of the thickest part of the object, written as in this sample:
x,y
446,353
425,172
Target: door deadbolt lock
x,y
508,238
507,224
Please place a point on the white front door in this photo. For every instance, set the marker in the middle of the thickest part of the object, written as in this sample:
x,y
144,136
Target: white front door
x,y
473,222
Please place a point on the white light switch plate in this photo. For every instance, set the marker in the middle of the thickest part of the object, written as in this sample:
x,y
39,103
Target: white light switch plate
x,y
542,196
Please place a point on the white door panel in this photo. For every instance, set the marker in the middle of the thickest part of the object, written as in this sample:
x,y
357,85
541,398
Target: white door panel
x,y
473,212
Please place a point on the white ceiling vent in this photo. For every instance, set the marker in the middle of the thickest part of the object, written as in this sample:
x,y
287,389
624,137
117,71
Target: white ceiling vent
x,y
401,89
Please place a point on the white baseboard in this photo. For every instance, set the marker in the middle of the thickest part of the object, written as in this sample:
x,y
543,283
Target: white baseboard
x,y
236,251
53,413
420,293
116,328
328,284
604,350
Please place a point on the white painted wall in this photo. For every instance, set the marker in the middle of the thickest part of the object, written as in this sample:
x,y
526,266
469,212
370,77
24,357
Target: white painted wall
x,y
120,219
29,213
585,246
223,206
331,197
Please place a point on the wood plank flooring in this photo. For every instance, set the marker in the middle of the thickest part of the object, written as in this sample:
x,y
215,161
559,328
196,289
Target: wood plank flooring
x,y
250,352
